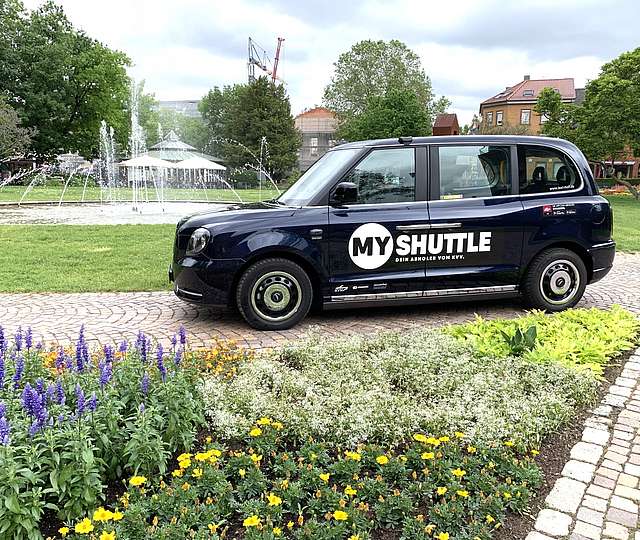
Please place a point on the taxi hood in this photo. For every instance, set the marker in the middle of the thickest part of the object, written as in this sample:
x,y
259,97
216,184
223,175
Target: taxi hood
x,y
233,212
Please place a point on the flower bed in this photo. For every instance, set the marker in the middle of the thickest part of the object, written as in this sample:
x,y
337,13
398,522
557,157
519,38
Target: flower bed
x,y
266,487
72,421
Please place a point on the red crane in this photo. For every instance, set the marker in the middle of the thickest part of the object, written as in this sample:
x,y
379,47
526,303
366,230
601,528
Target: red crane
x,y
276,60
258,58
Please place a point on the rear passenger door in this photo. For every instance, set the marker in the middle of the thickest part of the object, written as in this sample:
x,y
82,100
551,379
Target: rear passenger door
x,y
475,238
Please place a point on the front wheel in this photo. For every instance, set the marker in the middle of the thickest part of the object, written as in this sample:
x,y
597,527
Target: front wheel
x,y
555,280
274,294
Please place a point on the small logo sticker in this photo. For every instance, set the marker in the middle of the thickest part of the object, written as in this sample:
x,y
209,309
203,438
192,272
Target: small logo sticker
x,y
341,288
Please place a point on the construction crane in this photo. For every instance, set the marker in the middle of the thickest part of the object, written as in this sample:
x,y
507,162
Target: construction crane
x,y
257,57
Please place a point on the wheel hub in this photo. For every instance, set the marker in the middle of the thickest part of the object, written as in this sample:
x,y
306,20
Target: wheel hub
x,y
559,282
276,296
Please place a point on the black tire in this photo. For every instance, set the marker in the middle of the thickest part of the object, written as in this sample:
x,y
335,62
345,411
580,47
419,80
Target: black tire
x,y
555,280
274,294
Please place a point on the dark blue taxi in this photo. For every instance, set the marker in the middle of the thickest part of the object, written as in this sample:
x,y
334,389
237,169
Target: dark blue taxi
x,y
409,220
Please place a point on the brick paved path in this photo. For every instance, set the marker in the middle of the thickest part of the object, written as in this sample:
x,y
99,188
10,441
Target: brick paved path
x,y
112,316
598,494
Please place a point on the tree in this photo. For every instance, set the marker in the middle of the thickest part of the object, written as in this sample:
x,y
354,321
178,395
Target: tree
x,y
504,129
560,117
14,139
245,114
191,130
60,81
214,107
372,69
395,114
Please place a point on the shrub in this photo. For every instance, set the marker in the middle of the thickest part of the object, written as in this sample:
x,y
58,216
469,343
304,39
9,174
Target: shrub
x,y
264,486
71,421
578,338
382,389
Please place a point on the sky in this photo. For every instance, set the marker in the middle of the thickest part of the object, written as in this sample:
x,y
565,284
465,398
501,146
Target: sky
x,y
470,49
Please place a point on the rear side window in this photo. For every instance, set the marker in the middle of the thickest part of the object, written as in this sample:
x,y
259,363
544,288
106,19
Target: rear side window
x,y
385,176
474,171
545,170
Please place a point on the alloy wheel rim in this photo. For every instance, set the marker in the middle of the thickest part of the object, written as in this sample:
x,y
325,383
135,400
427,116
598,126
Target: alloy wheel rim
x,y
276,296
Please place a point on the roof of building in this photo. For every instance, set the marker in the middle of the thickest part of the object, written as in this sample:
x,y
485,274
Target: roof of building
x,y
171,148
317,111
529,89
446,120
171,141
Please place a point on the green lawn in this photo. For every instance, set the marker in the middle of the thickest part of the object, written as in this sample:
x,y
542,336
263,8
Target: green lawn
x,y
79,258
75,193
626,222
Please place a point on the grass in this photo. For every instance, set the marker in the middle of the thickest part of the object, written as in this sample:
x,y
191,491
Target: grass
x,y
75,193
78,258
626,222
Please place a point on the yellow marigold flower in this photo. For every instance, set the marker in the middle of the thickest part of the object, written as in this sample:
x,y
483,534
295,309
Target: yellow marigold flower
x,y
290,525
184,456
429,528
509,443
185,463
458,473
102,515
274,500
255,432
255,458
441,490
202,456
242,472
264,421
444,439
212,527
354,537
350,491
108,535
325,477
420,518
340,515
277,425
197,473
284,484
534,452
84,527
490,519
506,495
138,480
420,437
186,486
251,521
277,531
382,460
433,441
427,455
64,531
117,516
355,456
176,473
459,434
471,449
208,440
443,536
462,493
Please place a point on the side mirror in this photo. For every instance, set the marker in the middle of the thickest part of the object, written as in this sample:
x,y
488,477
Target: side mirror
x,y
344,193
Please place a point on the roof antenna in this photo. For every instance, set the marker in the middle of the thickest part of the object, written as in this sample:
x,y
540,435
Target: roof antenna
x,y
405,140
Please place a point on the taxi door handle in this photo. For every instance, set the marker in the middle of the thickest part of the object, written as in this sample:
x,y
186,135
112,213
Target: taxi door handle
x,y
427,226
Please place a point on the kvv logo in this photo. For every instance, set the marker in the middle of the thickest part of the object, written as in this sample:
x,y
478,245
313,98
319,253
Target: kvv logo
x,y
371,245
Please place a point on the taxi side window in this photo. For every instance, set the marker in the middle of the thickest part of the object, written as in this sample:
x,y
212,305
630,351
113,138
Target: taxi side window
x,y
544,170
385,176
474,171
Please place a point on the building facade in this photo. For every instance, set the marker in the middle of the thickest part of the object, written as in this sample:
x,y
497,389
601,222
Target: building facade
x,y
318,129
186,107
514,106
446,124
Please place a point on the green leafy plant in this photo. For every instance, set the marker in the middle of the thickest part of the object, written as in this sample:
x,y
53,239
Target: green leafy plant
x,y
520,342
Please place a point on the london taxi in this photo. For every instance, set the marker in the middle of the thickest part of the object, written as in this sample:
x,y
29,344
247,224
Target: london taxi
x,y
404,221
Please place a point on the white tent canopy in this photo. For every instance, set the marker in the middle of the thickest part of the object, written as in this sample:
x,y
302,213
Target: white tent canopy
x,y
147,161
197,162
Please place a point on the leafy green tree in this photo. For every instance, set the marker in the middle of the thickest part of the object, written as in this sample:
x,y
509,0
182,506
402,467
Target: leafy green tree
x,y
373,69
14,139
395,114
246,114
61,81
191,130
560,117
504,129
214,107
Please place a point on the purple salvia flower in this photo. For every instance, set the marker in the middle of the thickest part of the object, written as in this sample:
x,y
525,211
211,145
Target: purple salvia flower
x,y
39,346
174,341
92,402
178,357
160,362
144,384
40,385
3,342
141,408
19,363
51,391
82,352
27,399
60,397
109,353
35,427
182,332
5,432
60,418
28,339
2,371
105,373
60,359
81,402
18,339
123,347
3,409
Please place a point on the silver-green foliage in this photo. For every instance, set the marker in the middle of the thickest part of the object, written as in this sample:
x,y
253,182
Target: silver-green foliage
x,y
386,388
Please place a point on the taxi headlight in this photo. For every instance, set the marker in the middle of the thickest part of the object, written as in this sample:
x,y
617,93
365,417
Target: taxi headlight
x,y
198,241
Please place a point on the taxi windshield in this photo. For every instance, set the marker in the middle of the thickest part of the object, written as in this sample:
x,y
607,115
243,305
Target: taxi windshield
x,y
302,192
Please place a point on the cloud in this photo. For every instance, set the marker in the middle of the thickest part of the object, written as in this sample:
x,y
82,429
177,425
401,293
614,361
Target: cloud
x,y
471,49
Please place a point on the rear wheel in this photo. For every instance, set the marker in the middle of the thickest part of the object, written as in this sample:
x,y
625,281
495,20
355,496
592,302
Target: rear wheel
x,y
274,294
555,280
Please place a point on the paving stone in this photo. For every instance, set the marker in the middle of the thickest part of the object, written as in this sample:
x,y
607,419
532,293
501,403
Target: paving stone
x,y
628,519
595,503
589,515
535,535
634,470
588,452
596,436
587,530
627,480
614,530
553,523
605,482
579,470
624,504
598,491
628,493
566,495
